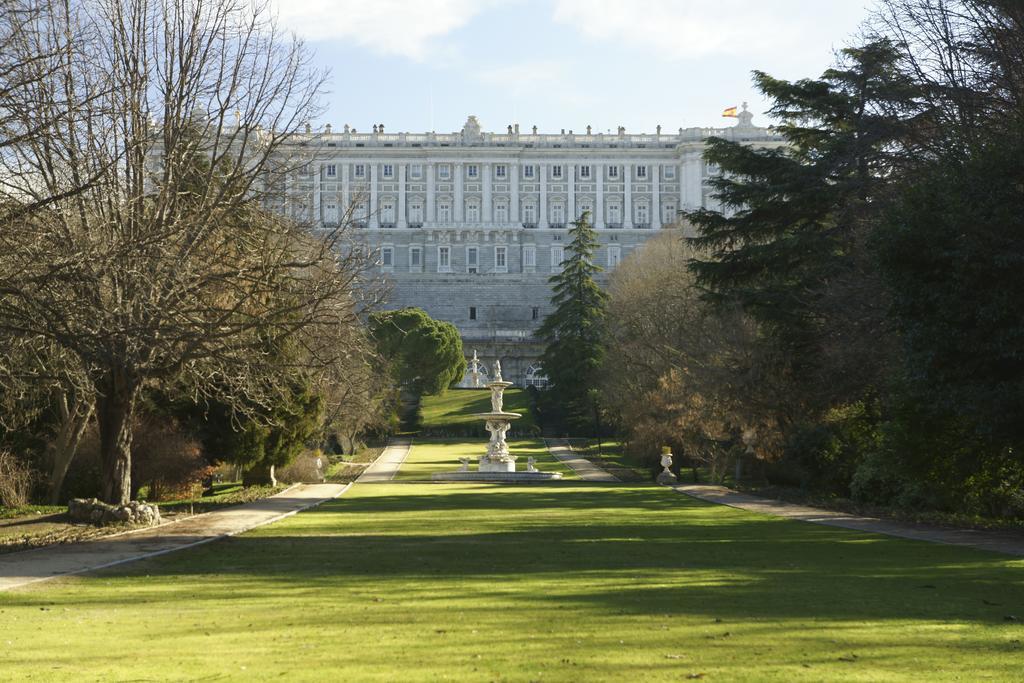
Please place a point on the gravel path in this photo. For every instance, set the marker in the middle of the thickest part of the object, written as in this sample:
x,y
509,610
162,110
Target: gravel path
x,y
387,465
996,541
587,470
30,566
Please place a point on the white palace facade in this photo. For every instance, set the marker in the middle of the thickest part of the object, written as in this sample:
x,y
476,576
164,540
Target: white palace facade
x,y
470,225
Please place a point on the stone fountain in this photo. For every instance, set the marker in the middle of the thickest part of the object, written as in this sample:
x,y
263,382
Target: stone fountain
x,y
498,464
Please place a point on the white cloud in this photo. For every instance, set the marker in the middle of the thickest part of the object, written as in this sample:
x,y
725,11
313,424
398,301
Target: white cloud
x,y
406,28
676,29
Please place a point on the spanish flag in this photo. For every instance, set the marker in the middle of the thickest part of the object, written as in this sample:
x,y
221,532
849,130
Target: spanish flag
x,y
730,113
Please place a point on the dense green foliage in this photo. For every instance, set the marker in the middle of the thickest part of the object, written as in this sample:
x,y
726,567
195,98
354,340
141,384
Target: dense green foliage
x,y
880,252
573,333
425,354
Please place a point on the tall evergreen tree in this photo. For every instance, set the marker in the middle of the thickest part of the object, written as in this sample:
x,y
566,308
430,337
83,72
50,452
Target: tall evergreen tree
x,y
788,244
574,331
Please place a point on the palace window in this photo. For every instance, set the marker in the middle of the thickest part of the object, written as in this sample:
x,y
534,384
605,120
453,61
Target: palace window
x,y
501,259
557,256
444,259
529,213
331,213
670,172
415,258
472,171
472,259
529,257
585,172
416,171
387,257
360,171
444,212
556,171
389,170
444,171
501,171
528,171
614,213
501,212
472,312
416,213
535,313
643,214
387,212
472,212
641,172
332,171
614,256
668,212
586,208
558,214
613,171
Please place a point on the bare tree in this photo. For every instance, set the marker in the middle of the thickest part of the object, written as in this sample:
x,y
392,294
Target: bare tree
x,y
686,372
168,260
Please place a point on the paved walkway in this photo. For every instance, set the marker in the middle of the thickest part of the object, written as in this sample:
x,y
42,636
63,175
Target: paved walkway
x,y
995,541
386,466
30,566
587,470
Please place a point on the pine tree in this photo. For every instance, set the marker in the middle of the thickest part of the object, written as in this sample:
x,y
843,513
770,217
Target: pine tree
x,y
789,244
574,331
792,216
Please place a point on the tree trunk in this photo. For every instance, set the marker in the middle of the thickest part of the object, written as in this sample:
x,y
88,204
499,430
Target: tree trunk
x,y
115,407
74,418
259,475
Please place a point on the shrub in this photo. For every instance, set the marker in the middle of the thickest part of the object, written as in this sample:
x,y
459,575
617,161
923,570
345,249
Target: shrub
x,y
15,481
166,459
307,468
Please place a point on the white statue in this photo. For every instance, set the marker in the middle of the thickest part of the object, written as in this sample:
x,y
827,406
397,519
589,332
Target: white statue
x,y
497,400
497,371
474,371
531,464
465,465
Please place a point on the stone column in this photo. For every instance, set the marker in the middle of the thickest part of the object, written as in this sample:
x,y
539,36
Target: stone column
x,y
513,202
542,178
598,171
401,222
345,193
429,170
317,212
485,204
371,169
656,196
571,202
627,209
459,207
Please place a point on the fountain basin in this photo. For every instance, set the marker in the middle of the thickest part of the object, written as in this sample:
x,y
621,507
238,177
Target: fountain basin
x,y
498,416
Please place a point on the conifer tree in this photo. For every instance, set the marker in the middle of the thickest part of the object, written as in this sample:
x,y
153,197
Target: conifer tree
x,y
788,244
573,333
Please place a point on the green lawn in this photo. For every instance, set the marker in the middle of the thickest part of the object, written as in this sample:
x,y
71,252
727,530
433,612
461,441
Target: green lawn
x,y
442,455
455,408
556,582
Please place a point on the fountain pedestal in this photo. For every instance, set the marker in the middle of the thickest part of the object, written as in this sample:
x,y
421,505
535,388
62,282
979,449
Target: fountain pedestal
x,y
498,464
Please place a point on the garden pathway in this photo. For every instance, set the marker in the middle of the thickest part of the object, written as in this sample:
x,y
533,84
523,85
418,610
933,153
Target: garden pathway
x,y
587,470
30,566
385,467
996,541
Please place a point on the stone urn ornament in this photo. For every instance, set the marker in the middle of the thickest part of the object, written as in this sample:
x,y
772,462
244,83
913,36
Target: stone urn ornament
x,y
666,476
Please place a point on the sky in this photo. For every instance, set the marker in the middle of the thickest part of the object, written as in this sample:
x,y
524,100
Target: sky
x,y
425,65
